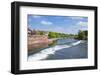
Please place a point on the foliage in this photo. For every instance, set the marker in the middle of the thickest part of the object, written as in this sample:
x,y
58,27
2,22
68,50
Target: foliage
x,y
82,35
59,35
52,35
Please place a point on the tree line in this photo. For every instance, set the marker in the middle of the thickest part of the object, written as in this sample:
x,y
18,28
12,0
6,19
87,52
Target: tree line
x,y
82,35
59,35
51,34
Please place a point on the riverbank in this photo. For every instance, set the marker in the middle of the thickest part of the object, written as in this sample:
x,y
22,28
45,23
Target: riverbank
x,y
38,41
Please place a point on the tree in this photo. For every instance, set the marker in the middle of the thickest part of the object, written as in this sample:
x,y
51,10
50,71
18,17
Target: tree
x,y
51,35
82,35
42,33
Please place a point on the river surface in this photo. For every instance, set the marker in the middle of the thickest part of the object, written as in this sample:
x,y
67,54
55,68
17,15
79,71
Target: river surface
x,y
61,49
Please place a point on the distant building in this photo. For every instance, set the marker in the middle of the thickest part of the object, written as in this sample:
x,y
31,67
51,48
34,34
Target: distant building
x,y
46,33
37,32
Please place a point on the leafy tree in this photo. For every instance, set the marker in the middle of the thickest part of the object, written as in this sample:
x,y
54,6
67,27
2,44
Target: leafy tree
x,y
51,35
82,35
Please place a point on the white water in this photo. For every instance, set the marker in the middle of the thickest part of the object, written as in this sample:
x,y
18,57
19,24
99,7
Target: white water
x,y
46,52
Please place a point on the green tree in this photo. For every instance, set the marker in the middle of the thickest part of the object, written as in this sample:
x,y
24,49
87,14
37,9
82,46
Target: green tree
x,y
51,35
82,35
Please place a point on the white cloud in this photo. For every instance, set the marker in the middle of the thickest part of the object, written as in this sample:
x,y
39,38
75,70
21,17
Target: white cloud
x,y
46,22
81,23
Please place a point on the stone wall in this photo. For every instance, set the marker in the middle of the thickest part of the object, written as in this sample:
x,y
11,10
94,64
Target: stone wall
x,y
36,41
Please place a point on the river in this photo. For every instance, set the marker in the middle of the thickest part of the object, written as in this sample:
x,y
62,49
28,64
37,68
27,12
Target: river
x,y
61,49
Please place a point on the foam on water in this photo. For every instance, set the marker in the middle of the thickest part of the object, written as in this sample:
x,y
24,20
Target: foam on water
x,y
76,43
46,52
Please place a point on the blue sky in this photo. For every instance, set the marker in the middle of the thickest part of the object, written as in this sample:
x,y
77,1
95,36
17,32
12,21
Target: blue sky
x,y
61,24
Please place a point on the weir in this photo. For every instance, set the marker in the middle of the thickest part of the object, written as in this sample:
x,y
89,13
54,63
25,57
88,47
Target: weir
x,y
46,52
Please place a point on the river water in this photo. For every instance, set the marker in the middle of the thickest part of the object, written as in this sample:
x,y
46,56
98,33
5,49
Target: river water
x,y
62,49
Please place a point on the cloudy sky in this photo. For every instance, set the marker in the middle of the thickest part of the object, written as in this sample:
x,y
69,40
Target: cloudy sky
x,y
62,24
